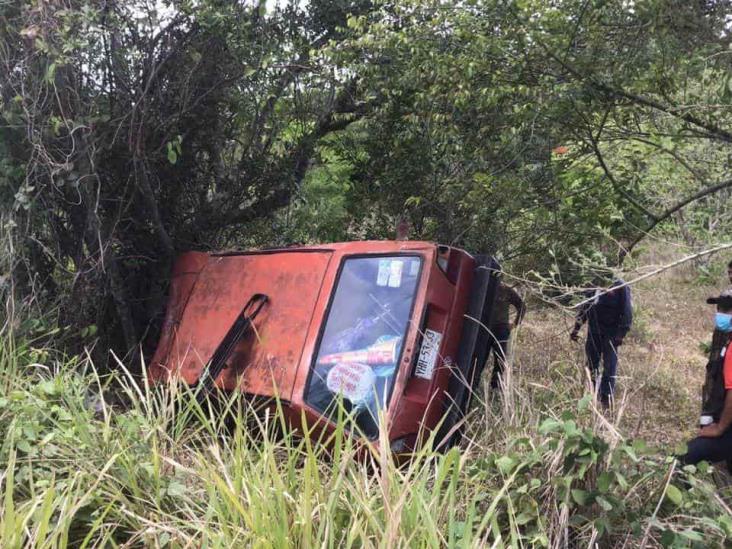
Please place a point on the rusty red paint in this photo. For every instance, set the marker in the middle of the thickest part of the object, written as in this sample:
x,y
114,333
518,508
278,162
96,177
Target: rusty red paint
x,y
208,291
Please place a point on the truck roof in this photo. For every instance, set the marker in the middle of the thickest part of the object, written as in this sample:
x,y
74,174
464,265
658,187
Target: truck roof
x,y
356,246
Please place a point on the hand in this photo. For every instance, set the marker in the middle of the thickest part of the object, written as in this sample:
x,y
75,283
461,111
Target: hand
x,y
574,336
618,341
711,431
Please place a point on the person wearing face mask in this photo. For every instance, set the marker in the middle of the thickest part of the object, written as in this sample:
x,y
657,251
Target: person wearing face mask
x,y
714,440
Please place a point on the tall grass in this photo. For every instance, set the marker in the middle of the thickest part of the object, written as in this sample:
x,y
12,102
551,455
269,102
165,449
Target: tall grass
x,y
154,468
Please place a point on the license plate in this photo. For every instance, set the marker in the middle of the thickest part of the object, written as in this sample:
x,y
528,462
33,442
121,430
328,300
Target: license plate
x,y
428,354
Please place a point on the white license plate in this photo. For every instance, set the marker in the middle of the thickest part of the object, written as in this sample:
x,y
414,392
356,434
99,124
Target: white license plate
x,y
428,354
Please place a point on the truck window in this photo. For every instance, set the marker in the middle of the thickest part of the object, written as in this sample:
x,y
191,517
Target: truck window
x,y
361,343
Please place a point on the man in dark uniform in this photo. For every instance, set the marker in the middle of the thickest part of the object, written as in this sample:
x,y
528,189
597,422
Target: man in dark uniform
x,y
609,315
714,441
501,328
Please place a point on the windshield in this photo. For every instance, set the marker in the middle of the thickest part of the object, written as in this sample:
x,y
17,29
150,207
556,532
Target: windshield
x,y
363,336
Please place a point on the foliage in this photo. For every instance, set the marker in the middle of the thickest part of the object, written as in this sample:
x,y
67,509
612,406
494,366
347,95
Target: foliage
x,y
555,135
521,127
134,131
89,462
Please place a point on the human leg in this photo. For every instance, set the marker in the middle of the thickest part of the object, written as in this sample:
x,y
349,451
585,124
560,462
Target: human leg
x,y
593,348
708,449
500,350
609,369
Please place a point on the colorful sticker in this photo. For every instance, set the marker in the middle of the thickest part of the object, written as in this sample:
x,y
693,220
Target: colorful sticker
x,y
385,350
428,354
352,380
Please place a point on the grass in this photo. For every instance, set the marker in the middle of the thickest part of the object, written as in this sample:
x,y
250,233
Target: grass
x,y
539,467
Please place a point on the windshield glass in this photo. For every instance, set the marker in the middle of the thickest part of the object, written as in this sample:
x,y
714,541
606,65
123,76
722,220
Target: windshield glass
x,y
362,340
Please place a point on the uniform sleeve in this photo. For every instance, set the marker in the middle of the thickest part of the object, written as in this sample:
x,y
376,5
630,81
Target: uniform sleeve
x,y
626,318
583,310
727,369
515,299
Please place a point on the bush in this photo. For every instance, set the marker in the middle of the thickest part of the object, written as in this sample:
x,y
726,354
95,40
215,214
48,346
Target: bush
x,y
163,471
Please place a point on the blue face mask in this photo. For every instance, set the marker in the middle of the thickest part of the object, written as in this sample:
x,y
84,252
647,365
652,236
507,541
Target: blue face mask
x,y
723,322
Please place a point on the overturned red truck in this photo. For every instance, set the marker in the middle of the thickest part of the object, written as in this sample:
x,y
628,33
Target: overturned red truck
x,y
398,326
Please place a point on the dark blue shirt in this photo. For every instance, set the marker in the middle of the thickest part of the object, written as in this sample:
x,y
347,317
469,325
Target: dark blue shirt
x,y
610,313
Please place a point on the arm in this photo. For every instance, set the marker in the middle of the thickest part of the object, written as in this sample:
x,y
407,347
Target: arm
x,y
515,299
626,315
580,319
725,420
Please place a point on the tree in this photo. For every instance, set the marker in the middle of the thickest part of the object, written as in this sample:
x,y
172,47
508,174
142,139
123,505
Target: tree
x,y
518,127
135,131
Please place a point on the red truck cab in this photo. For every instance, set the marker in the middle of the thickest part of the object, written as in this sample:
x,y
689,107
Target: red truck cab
x,y
392,326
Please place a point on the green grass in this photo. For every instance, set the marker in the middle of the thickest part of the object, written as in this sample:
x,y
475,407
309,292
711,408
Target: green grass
x,y
539,467
161,471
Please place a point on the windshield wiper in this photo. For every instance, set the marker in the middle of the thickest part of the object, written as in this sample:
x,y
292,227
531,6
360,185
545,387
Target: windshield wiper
x,y
239,329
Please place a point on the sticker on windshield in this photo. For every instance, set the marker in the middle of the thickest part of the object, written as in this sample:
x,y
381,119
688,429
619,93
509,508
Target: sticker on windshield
x,y
382,279
428,354
352,380
395,273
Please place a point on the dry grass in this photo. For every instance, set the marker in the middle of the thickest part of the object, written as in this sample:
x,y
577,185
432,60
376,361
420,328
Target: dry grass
x,y
541,466
661,365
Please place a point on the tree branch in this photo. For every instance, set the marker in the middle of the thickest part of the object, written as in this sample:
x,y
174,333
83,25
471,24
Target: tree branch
x,y
713,131
616,185
673,209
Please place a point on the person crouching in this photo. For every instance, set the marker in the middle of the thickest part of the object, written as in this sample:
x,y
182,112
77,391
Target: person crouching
x,y
714,440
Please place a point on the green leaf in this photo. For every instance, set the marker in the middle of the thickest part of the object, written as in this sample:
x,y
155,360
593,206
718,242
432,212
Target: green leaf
x,y
548,426
505,464
693,536
570,428
172,155
631,453
603,482
48,387
605,504
668,538
579,496
584,403
176,489
674,494
621,481
602,525
50,72
24,446
725,521
640,446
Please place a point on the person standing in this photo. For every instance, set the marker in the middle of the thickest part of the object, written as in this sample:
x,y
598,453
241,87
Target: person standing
x,y
609,316
714,440
501,327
